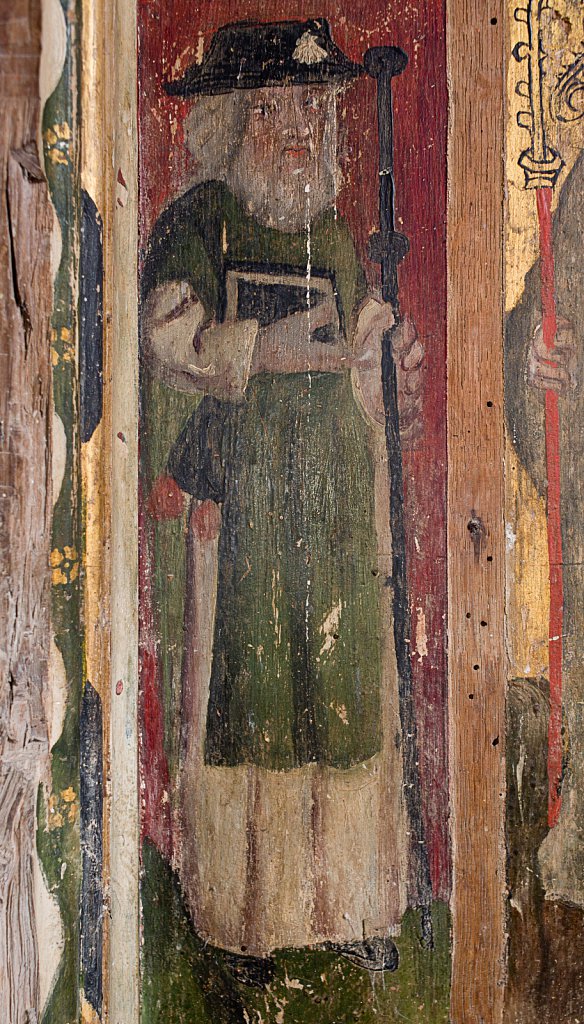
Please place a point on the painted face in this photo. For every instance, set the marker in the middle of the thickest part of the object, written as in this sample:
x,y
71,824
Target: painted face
x,y
286,160
286,127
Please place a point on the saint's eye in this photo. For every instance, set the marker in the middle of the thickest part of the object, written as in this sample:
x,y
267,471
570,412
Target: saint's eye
x,y
263,109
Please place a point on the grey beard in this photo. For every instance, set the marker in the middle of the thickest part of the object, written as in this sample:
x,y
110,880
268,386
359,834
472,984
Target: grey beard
x,y
282,203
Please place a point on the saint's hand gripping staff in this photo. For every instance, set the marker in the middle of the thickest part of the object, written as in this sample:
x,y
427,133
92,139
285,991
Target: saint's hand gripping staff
x,y
541,165
388,247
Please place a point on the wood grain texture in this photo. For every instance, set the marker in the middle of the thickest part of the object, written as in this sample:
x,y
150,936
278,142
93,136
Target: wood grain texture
x,y
25,492
121,347
475,508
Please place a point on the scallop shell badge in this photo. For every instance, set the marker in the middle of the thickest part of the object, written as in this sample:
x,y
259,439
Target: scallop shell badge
x,y
308,50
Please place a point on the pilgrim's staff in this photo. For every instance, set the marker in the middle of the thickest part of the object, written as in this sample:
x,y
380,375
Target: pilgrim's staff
x,y
388,248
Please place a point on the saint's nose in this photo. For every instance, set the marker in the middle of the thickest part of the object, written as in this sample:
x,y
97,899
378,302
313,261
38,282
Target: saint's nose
x,y
296,127
294,119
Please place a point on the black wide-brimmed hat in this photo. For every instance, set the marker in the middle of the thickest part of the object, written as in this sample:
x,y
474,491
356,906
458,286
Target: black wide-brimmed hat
x,y
250,55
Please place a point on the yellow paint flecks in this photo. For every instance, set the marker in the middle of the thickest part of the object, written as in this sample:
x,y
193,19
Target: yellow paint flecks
x,y
54,817
57,139
62,346
62,807
65,565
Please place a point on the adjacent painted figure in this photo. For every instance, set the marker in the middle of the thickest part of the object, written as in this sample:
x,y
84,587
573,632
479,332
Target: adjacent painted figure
x,y
529,371
289,808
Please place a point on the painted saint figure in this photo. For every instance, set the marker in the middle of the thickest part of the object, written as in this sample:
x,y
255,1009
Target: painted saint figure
x,y
290,816
529,371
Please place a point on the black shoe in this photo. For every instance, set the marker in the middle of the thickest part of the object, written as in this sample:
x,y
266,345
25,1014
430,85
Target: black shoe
x,y
255,971
375,954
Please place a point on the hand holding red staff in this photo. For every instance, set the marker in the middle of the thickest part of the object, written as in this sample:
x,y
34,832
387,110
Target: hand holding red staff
x,y
554,369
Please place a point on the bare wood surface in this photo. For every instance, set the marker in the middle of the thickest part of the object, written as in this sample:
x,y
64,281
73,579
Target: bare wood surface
x,y
121,342
25,498
475,508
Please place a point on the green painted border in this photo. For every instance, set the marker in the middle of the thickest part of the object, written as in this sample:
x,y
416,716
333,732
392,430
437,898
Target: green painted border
x,y
58,831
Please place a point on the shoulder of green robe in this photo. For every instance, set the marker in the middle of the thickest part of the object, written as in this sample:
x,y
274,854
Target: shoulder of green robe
x,y
184,236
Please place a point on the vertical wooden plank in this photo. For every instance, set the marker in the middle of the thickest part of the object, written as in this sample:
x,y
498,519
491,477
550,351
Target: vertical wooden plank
x,y
25,488
475,507
121,305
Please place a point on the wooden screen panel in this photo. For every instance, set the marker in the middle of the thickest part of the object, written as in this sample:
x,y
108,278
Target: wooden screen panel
x,y
179,975
264,658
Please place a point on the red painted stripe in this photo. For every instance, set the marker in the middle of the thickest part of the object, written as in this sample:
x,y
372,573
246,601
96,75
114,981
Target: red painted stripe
x,y
554,526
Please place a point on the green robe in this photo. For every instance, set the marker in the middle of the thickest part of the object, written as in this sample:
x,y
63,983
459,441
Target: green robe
x,y
297,651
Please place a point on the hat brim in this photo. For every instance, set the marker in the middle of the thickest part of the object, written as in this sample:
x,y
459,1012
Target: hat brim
x,y
257,56
212,85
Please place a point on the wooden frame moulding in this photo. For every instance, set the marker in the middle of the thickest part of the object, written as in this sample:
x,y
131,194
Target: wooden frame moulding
x,y
117,58
96,454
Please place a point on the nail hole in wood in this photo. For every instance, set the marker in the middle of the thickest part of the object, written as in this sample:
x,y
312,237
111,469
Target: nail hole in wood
x,y
478,533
